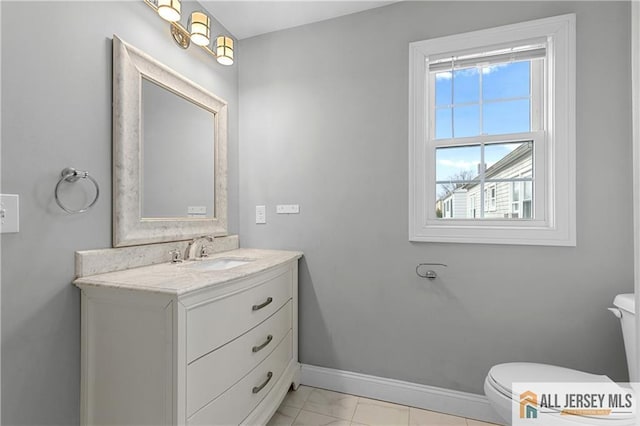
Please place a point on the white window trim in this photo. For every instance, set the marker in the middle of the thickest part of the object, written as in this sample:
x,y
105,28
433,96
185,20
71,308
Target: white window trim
x,y
556,225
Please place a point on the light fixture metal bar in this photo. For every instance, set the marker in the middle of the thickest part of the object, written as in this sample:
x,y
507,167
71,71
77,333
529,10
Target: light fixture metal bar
x,y
182,30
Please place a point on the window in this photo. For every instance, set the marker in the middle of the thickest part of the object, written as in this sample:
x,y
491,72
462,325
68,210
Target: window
x,y
490,198
492,135
472,206
448,211
521,198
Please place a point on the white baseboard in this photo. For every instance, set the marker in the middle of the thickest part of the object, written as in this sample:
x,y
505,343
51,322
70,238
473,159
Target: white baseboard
x,y
448,401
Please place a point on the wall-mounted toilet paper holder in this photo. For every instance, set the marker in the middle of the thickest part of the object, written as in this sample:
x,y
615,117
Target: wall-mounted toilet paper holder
x,y
430,273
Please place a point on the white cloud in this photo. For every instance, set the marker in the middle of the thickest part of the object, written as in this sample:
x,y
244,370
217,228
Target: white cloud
x,y
444,75
459,164
491,68
466,72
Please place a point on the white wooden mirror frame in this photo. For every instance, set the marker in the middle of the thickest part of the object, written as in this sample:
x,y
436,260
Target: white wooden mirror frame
x,y
129,227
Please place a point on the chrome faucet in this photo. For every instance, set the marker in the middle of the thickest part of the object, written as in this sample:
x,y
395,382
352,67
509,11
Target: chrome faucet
x,y
203,251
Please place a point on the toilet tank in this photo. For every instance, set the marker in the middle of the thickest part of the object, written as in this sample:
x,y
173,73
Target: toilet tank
x,y
626,311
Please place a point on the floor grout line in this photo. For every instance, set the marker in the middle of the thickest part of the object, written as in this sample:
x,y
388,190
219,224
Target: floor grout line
x,y
356,409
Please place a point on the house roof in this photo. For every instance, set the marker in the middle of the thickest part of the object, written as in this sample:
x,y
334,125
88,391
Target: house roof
x,y
524,150
515,156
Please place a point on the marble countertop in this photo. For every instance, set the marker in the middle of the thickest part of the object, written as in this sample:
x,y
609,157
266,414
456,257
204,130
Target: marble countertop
x,y
178,278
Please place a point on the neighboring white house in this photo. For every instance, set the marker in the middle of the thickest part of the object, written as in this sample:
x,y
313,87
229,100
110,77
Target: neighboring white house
x,y
454,204
508,191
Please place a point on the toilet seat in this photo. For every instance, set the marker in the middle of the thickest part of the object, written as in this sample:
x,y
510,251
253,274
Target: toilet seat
x,y
498,388
503,375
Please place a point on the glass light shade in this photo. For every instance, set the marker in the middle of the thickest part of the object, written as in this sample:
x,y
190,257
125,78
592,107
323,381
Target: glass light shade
x,y
169,10
224,50
200,28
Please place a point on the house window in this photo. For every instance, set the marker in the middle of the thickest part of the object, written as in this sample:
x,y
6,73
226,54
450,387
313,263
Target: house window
x,y
472,206
492,123
490,198
515,200
521,198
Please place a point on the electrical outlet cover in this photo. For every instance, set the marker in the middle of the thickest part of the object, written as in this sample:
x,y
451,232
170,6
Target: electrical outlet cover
x,y
9,213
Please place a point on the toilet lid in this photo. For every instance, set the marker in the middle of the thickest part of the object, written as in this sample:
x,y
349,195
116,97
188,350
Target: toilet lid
x,y
503,375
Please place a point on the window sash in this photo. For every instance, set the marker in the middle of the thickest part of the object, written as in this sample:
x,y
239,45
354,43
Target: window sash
x,y
538,177
536,118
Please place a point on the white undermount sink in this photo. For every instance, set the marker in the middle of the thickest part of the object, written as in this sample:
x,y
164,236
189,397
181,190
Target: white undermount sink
x,y
220,264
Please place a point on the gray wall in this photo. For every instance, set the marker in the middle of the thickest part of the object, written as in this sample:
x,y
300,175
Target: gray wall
x,y
323,123
56,112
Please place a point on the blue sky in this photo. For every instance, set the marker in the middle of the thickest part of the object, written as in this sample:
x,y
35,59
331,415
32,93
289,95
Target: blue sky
x,y
501,92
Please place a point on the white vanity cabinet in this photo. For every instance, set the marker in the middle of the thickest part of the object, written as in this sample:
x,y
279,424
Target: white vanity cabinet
x,y
166,345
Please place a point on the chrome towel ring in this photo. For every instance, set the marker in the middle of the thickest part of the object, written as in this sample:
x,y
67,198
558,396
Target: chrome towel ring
x,y
69,174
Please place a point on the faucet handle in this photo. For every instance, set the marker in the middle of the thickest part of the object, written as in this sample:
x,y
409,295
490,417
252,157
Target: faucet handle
x,y
176,257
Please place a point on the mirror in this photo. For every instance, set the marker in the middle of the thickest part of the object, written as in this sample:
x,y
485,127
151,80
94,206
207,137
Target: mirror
x,y
177,155
169,162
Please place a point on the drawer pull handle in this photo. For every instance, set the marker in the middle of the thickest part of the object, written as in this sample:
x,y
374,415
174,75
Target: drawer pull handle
x,y
262,305
259,388
262,346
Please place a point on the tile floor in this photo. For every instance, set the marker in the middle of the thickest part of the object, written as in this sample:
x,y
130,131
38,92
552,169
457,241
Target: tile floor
x,y
314,407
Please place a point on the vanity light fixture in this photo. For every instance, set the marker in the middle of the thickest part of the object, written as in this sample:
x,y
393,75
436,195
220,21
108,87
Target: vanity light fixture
x,y
224,50
199,30
169,10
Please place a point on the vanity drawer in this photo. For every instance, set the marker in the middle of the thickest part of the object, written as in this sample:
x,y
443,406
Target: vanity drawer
x,y
234,405
213,324
217,371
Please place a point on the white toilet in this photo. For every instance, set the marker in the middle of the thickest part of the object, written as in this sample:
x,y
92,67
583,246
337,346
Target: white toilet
x,y
497,385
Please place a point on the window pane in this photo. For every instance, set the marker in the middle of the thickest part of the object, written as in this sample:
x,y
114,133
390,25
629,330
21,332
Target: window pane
x,y
443,88
456,178
508,164
506,117
457,163
515,194
466,85
503,81
466,121
443,123
508,160
528,186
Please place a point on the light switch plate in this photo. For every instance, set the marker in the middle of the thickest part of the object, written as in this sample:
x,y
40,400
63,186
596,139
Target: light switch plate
x,y
261,214
9,213
196,211
288,209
